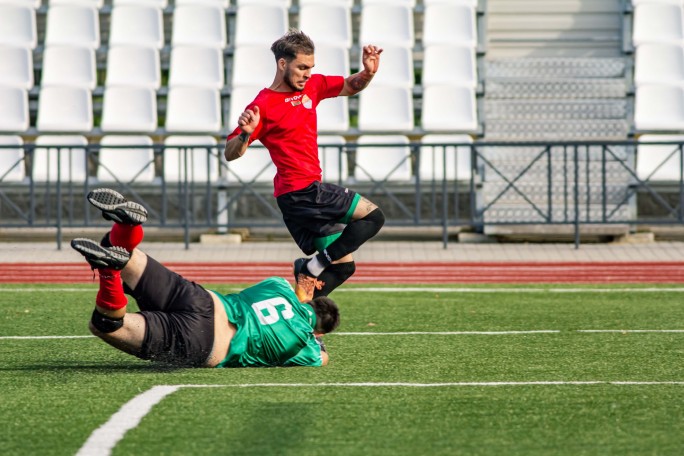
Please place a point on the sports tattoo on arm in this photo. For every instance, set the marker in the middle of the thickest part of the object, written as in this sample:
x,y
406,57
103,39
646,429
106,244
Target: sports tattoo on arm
x,y
360,81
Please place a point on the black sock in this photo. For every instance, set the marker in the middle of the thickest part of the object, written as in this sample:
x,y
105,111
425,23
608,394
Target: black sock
x,y
356,233
105,242
105,324
333,276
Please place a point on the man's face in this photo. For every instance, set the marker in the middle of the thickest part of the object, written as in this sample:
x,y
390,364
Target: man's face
x,y
298,72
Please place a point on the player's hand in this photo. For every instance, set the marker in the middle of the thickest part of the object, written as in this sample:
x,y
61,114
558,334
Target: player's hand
x,y
371,58
249,120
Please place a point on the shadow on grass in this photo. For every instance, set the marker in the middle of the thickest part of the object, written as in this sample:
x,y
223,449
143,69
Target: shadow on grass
x,y
91,368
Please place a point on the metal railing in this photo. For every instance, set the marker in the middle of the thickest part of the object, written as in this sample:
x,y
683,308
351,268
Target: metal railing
x,y
483,184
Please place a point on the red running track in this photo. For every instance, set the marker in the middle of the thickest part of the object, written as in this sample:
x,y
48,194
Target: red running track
x,y
390,273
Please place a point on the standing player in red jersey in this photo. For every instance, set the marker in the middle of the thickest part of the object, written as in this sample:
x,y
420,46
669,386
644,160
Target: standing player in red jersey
x,y
321,217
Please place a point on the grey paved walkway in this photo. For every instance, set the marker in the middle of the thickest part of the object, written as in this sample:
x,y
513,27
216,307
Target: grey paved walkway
x,y
373,251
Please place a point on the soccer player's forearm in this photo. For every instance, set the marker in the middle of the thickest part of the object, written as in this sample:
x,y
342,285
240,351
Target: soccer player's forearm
x,y
236,147
359,81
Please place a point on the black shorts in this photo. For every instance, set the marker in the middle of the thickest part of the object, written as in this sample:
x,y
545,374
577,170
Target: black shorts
x,y
179,316
316,215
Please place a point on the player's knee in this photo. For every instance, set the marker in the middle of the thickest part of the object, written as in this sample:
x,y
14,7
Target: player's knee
x,y
102,324
376,217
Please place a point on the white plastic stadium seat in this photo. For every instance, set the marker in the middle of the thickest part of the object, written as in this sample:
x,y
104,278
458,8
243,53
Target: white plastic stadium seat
x,y
16,67
260,24
386,109
253,65
220,3
659,108
196,66
659,162
449,24
346,3
658,63
333,158
199,25
409,3
127,165
155,3
332,61
94,3
129,109
70,159
439,161
387,24
383,158
14,109
69,66
193,110
32,3
449,64
240,97
326,24
202,162
657,23
65,109
12,167
333,115
471,3
256,165
136,25
281,3
449,108
75,25
397,67
133,66
18,26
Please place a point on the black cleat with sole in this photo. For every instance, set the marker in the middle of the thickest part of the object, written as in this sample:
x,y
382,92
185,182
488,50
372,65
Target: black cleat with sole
x,y
101,257
116,208
299,264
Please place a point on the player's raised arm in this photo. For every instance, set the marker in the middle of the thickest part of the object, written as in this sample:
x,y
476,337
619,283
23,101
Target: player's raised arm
x,y
359,81
237,146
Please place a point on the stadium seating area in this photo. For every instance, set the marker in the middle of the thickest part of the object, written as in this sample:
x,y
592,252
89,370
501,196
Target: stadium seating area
x,y
101,76
96,72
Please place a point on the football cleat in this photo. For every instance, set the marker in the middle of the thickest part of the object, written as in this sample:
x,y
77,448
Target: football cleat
x,y
116,208
101,257
305,283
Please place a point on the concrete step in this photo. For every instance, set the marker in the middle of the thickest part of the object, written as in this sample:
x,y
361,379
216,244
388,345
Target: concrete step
x,y
555,68
555,89
577,130
529,7
555,110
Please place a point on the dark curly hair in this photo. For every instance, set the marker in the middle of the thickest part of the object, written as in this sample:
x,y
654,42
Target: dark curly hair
x,y
292,43
327,314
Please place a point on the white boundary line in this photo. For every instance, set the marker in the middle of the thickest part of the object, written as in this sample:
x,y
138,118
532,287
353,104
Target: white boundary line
x,y
429,333
103,440
494,289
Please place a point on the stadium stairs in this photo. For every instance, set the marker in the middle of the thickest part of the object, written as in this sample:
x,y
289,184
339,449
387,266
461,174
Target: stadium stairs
x,y
554,71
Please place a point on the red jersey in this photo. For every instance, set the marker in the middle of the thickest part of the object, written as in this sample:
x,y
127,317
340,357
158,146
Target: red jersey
x,y
288,129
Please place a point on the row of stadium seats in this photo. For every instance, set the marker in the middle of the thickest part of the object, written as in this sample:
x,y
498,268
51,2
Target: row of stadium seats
x,y
658,38
131,158
197,80
118,159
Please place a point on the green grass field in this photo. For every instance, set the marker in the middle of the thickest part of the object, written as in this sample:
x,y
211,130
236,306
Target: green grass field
x,y
427,382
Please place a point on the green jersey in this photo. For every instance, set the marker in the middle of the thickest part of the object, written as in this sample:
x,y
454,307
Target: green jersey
x,y
273,327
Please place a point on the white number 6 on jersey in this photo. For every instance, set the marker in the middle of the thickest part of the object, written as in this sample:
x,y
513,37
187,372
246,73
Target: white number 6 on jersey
x,y
267,312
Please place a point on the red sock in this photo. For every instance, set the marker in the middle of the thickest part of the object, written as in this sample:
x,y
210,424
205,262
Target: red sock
x,y
111,295
126,236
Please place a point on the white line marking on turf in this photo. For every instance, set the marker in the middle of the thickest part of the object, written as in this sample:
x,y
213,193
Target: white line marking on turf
x,y
630,330
413,289
425,333
105,438
43,337
445,333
